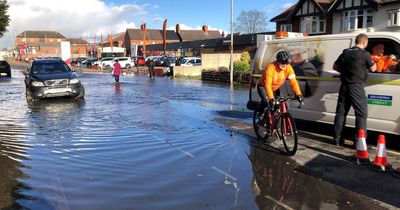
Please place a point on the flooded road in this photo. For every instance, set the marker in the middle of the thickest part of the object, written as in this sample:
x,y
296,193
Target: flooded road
x,y
145,144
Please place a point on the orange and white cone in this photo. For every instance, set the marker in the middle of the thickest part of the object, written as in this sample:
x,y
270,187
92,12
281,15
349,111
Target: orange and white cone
x,y
381,162
362,156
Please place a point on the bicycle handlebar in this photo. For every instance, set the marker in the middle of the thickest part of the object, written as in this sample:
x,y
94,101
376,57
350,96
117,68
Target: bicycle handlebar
x,y
286,98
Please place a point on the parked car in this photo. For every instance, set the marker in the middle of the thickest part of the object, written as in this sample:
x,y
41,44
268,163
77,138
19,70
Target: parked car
x,y
191,61
47,78
106,63
77,61
125,62
139,60
5,68
88,63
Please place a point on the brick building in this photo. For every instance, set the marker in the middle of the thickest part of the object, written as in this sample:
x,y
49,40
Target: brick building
x,y
79,47
39,43
134,37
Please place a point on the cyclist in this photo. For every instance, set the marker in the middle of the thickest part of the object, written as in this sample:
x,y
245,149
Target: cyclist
x,y
273,78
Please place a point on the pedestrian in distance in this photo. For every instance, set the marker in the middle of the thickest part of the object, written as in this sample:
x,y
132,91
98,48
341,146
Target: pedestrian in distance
x,y
150,65
117,70
274,77
353,65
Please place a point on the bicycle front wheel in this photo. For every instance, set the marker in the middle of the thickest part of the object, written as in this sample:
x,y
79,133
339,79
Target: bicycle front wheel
x,y
260,124
288,133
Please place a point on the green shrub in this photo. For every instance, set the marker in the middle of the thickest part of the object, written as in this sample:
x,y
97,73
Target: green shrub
x,y
243,65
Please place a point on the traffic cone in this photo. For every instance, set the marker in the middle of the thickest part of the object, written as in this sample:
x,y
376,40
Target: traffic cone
x,y
381,162
362,156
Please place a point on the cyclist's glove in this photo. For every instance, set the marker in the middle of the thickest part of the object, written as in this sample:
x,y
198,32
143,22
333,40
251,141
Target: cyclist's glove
x,y
272,103
299,98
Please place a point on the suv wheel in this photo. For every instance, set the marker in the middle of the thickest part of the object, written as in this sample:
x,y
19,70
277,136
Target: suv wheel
x,y
81,92
29,97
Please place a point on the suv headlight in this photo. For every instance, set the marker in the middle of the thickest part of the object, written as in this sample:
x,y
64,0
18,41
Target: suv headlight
x,y
74,81
37,84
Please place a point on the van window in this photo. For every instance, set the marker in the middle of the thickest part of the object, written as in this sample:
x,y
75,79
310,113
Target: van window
x,y
388,62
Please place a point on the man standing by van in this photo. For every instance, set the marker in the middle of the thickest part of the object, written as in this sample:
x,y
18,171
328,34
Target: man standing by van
x,y
353,65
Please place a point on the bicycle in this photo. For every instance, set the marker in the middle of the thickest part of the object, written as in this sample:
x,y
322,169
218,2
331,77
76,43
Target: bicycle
x,y
278,122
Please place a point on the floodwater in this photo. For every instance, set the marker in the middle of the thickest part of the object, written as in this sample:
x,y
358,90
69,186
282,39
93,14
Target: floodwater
x,y
145,144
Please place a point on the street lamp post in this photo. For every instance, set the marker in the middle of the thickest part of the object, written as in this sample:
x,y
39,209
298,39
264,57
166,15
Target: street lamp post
x,y
231,68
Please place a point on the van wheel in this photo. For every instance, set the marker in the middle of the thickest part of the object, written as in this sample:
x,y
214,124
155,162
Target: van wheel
x,y
29,96
81,92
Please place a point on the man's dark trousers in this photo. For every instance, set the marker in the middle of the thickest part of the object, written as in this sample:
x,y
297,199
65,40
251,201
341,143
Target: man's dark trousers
x,y
351,95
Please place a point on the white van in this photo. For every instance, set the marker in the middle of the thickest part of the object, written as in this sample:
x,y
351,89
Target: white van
x,y
313,58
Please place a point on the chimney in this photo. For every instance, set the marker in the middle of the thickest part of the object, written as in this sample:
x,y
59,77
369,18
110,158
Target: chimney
x,y
205,28
177,28
223,34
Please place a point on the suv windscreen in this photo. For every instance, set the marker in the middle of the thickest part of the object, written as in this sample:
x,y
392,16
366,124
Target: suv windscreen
x,y
46,68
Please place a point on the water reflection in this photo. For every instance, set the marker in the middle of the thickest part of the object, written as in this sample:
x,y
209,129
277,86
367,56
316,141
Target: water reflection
x,y
12,153
278,185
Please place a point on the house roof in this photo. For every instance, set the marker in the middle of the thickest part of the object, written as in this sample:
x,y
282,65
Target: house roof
x,y
284,15
151,34
119,36
41,34
198,34
77,41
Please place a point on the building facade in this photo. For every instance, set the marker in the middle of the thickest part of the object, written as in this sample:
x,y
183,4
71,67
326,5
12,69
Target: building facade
x,y
39,43
316,17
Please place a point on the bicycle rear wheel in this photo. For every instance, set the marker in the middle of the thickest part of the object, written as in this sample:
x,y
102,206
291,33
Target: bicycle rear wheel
x,y
288,133
260,124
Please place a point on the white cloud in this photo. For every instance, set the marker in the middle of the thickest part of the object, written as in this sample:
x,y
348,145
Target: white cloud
x,y
72,18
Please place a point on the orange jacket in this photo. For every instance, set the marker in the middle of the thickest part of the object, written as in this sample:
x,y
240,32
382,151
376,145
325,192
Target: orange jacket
x,y
383,62
273,78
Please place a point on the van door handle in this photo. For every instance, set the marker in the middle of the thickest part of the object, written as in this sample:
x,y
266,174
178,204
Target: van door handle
x,y
336,76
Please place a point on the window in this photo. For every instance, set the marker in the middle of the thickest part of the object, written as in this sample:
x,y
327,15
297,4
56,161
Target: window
x,y
286,27
51,40
357,19
312,25
388,63
394,16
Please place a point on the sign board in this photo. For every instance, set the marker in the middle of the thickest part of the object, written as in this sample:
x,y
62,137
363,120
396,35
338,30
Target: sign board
x,y
66,52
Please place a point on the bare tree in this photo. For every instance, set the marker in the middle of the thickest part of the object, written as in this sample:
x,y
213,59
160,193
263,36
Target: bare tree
x,y
251,21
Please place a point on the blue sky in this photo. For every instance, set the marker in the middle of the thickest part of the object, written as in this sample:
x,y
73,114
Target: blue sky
x,y
85,18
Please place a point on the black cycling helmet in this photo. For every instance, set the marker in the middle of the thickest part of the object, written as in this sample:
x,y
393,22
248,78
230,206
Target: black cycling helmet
x,y
283,56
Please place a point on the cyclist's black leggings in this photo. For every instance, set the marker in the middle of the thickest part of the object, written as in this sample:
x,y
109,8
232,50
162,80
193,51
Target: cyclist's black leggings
x,y
263,94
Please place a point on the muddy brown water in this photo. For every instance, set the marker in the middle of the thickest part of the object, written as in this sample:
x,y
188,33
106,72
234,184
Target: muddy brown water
x,y
145,144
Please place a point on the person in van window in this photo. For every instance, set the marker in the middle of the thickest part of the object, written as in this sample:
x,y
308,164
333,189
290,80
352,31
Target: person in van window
x,y
117,70
353,65
303,67
383,62
273,78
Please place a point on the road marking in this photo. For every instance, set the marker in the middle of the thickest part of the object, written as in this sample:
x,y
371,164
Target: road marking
x,y
177,148
224,173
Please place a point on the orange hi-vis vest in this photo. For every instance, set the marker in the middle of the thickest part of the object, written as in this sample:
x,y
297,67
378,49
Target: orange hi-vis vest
x,y
383,63
273,78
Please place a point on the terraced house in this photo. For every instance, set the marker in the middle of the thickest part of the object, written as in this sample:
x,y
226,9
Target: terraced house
x,y
339,16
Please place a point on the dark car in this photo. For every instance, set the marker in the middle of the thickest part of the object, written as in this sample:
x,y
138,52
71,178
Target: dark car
x,y
5,68
48,78
88,63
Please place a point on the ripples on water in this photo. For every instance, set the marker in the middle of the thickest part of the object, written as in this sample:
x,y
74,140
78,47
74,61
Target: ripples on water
x,y
141,144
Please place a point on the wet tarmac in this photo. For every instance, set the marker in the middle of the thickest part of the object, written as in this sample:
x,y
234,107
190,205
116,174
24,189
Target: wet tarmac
x,y
147,144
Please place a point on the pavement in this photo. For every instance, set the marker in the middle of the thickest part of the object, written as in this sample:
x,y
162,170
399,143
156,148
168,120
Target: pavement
x,y
318,157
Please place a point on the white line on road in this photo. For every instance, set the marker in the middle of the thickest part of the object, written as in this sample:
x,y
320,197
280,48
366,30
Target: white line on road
x,y
177,148
224,173
278,202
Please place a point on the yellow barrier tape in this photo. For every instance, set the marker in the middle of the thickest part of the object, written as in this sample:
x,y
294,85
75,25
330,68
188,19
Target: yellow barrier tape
x,y
380,82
